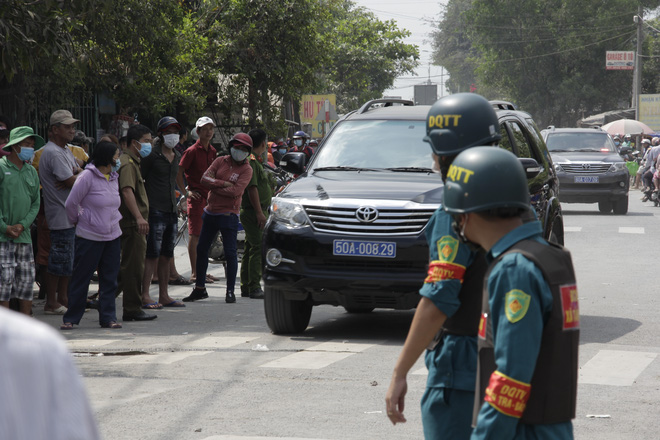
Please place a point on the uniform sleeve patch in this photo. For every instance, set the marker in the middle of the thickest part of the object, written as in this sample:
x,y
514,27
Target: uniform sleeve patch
x,y
441,270
570,307
507,395
447,248
516,304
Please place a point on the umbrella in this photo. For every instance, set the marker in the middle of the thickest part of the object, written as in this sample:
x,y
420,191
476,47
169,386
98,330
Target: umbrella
x,y
627,126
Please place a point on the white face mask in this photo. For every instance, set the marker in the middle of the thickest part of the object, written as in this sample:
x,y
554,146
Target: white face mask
x,y
239,155
170,140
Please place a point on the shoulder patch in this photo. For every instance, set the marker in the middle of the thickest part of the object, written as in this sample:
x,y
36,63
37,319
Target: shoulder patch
x,y
516,303
447,248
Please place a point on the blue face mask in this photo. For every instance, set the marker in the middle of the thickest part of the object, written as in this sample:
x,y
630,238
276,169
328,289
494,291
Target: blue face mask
x,y
282,150
146,149
116,166
26,154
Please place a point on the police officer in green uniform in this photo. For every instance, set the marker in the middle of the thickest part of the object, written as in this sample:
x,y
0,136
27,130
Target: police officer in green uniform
x,y
256,200
529,328
451,294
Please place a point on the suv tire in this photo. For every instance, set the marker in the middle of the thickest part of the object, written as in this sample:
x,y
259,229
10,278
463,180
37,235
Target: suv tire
x,y
621,206
285,316
359,309
606,207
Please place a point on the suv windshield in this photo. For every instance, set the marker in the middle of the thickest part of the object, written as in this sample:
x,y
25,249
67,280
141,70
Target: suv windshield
x,y
580,142
367,144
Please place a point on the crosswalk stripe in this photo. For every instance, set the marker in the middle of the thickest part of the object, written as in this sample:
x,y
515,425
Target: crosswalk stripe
x,y
240,437
630,230
221,341
612,367
572,228
160,358
318,356
88,344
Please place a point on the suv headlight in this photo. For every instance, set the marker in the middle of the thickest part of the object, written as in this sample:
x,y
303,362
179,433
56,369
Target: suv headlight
x,y
617,166
557,167
288,212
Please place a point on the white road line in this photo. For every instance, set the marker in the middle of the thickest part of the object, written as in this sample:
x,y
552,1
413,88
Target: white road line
x,y
629,230
240,437
88,344
160,358
617,368
572,228
318,356
221,341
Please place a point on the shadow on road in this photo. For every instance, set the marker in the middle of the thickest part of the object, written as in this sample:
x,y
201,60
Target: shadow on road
x,y
595,212
602,329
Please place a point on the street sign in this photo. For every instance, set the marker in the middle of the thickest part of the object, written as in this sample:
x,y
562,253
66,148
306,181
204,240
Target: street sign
x,y
620,60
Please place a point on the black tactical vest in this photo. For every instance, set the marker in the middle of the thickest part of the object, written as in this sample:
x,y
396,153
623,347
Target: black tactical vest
x,y
554,382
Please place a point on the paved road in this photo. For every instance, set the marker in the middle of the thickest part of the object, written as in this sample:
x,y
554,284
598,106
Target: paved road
x,y
214,371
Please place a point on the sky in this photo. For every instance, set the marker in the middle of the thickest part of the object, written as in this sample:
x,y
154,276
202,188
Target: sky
x,y
415,16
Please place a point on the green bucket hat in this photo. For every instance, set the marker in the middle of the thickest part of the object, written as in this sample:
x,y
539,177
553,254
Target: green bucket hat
x,y
20,133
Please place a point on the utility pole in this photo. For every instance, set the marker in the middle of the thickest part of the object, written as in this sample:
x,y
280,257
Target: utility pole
x,y
637,80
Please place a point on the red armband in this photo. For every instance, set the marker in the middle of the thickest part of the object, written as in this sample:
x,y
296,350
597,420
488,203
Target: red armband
x,y
507,395
441,270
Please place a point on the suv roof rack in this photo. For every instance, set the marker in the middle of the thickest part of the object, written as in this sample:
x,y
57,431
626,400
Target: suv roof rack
x,y
387,102
503,105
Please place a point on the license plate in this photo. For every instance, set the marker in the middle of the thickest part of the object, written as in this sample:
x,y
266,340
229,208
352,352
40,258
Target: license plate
x,y
358,248
586,179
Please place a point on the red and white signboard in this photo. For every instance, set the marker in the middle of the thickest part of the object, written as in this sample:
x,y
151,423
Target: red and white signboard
x,y
619,60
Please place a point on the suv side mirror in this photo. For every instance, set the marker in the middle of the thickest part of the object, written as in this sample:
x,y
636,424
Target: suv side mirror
x,y
293,162
531,166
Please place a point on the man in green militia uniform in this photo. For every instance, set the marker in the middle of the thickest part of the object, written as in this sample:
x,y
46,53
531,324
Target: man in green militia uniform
x,y
256,200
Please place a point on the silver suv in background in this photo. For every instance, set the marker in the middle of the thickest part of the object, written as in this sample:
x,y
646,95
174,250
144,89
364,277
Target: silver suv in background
x,y
589,168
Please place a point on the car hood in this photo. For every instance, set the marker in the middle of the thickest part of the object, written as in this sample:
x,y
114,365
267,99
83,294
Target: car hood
x,y
367,185
567,157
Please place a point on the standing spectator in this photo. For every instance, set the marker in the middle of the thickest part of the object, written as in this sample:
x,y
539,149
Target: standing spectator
x,y
227,178
181,145
37,373
194,162
134,228
58,171
160,170
93,206
19,204
256,201
4,135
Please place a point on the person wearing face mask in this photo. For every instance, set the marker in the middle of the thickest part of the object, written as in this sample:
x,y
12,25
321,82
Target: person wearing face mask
x,y
160,171
300,144
447,317
93,206
19,204
226,179
530,322
134,210
279,150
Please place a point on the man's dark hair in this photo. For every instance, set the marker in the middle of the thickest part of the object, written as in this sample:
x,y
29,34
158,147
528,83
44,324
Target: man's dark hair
x,y
5,120
104,154
258,136
183,131
135,132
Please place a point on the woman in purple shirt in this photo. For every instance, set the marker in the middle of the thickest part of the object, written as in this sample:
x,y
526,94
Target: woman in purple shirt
x,y
93,206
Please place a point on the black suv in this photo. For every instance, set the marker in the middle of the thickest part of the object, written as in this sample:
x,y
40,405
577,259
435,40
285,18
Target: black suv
x,y
349,231
589,168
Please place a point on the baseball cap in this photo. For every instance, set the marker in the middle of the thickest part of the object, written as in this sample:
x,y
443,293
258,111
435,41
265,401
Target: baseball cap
x,y
204,120
62,117
20,133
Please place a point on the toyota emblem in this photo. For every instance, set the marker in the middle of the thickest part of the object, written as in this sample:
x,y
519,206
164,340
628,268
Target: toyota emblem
x,y
366,214
586,166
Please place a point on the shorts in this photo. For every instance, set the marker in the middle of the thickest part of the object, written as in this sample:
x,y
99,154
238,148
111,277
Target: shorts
x,y
60,259
162,234
16,271
195,211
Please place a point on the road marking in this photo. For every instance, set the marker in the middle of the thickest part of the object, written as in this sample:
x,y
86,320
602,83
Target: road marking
x,y
87,344
421,372
572,228
612,367
221,341
160,358
319,356
241,437
629,230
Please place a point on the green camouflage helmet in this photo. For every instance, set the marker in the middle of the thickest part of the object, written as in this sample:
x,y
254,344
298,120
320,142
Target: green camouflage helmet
x,y
461,121
484,178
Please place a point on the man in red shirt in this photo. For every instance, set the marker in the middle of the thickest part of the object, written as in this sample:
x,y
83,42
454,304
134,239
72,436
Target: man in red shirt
x,y
227,178
194,162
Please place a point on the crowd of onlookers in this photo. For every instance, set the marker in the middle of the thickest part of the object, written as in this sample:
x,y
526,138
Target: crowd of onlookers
x,y
110,211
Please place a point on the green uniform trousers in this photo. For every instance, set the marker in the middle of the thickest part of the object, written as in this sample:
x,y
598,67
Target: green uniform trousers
x,y
251,267
131,270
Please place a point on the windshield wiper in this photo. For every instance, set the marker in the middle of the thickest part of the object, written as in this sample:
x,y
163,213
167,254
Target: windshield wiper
x,y
411,169
343,168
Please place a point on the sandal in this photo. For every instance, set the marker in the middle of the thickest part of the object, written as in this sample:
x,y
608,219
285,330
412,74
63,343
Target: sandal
x,y
152,306
111,324
67,326
179,281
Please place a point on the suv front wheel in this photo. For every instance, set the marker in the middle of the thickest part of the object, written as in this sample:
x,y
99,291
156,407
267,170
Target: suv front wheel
x,y
285,316
621,206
